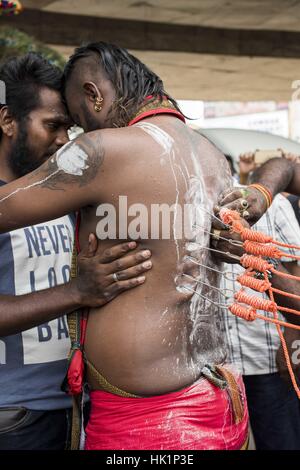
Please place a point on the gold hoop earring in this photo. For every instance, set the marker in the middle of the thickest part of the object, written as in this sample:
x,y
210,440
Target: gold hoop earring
x,y
97,106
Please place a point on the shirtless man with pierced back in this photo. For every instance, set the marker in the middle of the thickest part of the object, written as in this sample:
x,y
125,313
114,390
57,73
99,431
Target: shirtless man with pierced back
x,y
155,345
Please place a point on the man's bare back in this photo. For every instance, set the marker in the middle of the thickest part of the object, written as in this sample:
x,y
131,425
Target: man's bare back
x,y
157,338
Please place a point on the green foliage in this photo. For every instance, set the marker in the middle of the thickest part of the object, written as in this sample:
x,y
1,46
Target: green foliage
x,y
14,43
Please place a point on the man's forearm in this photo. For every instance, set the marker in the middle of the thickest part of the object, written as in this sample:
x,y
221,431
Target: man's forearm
x,y
19,313
278,175
294,185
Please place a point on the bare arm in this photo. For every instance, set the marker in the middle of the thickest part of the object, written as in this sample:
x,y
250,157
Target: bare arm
x,y
19,313
93,287
294,185
277,175
278,282
66,182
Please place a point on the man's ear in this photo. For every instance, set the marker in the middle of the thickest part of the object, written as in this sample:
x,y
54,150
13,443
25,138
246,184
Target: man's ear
x,y
92,91
7,123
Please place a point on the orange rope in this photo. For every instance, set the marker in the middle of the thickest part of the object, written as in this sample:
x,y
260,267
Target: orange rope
x,y
257,245
288,310
295,247
233,219
262,304
250,314
252,235
249,261
290,256
270,251
259,285
286,352
259,264
258,249
282,292
289,276
256,302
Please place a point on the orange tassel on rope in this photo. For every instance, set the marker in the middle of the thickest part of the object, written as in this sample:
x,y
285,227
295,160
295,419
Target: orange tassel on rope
x,y
258,245
250,314
260,285
233,218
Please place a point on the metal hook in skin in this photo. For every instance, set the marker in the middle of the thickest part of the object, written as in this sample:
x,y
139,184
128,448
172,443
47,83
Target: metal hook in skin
x,y
221,291
205,298
232,242
214,216
226,253
228,275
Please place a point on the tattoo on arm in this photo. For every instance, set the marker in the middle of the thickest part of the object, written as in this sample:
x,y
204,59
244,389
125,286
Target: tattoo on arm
x,y
76,163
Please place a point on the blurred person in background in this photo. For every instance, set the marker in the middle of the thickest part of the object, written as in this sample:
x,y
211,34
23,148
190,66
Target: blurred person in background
x,y
255,346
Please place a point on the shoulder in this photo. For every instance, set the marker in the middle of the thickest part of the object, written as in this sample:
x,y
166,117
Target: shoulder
x,y
110,141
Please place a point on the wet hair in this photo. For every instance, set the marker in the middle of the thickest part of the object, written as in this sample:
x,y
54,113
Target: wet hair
x,y
24,77
132,80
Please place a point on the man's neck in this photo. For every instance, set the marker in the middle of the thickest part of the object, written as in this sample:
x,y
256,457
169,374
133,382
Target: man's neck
x,y
6,173
154,107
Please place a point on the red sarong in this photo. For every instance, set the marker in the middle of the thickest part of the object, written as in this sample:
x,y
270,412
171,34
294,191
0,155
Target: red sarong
x,y
198,417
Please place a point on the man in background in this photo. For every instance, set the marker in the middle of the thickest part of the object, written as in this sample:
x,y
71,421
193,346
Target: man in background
x,y
35,291
255,346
